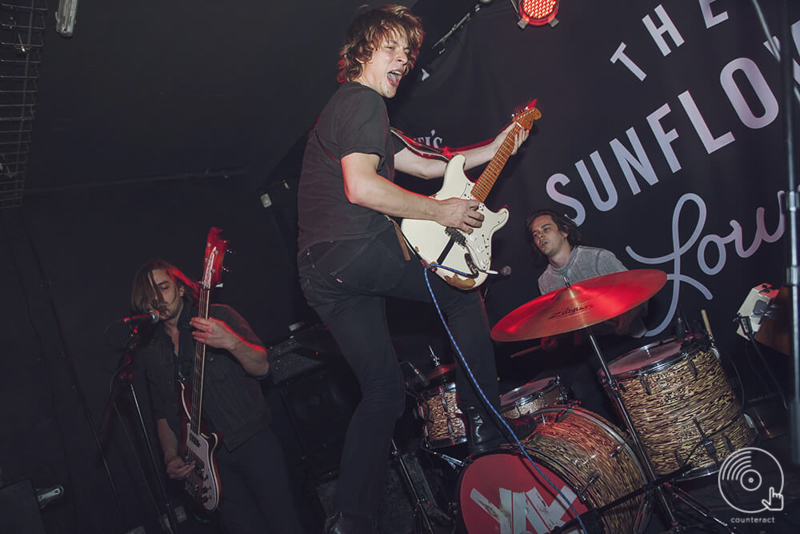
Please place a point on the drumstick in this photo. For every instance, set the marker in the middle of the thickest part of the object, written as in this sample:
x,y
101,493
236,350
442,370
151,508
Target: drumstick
x,y
526,351
708,326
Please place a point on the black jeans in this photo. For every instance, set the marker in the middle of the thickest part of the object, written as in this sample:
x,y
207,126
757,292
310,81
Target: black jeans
x,y
256,494
346,282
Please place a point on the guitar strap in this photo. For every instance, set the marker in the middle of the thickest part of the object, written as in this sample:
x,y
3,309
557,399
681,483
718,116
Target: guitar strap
x,y
425,151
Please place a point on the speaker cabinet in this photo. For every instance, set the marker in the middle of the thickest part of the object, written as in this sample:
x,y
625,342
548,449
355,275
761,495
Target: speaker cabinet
x,y
19,511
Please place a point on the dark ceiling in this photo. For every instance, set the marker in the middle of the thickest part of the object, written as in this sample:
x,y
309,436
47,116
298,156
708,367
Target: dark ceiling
x,y
159,88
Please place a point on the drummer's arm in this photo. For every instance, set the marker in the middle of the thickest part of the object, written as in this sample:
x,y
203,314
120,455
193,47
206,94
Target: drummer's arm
x,y
622,324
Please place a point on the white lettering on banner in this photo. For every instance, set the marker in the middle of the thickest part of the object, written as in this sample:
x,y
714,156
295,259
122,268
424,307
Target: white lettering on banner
x,y
667,27
430,140
619,55
679,249
774,46
666,139
709,17
517,509
759,85
711,143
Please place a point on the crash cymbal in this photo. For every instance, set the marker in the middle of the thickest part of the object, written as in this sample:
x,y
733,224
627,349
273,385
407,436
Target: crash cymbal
x,y
440,370
582,304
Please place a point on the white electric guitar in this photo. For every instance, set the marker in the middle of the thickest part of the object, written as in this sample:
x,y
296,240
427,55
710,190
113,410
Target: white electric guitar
x,y
463,260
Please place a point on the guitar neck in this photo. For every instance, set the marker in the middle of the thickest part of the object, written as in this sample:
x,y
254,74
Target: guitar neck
x,y
484,184
199,366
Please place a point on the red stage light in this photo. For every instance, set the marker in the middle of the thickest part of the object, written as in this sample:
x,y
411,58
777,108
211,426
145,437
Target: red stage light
x,y
538,12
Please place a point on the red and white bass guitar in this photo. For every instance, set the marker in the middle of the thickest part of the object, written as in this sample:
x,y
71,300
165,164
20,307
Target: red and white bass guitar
x,y
463,260
198,446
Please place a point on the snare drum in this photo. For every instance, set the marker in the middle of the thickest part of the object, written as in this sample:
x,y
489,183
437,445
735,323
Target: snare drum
x,y
578,452
532,396
445,424
681,405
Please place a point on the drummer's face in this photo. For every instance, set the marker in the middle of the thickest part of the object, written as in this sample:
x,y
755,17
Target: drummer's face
x,y
547,236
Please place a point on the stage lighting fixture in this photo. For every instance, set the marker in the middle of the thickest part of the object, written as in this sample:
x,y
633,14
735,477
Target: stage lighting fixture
x,y
65,17
538,12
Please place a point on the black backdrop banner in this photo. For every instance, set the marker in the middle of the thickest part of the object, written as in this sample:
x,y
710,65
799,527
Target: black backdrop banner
x,y
662,136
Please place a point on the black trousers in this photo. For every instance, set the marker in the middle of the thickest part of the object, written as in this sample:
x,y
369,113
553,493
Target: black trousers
x,y
256,495
347,282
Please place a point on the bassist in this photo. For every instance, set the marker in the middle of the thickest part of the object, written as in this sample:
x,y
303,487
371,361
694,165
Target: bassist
x,y
255,494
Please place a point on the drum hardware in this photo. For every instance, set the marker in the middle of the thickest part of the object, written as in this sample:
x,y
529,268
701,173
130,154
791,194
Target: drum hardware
x,y
421,506
746,325
454,463
580,306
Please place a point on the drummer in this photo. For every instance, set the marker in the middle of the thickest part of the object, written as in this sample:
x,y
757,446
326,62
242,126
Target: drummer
x,y
556,242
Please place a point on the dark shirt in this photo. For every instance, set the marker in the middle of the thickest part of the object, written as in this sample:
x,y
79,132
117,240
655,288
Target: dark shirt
x,y
355,120
233,403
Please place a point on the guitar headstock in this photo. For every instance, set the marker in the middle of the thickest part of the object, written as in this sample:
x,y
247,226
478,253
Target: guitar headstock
x,y
527,115
215,252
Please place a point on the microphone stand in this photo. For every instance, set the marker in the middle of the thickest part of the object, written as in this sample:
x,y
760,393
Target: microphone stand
x,y
125,375
788,90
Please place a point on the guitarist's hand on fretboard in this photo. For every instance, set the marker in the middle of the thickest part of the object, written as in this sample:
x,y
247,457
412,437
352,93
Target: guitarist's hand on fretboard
x,y
214,333
519,138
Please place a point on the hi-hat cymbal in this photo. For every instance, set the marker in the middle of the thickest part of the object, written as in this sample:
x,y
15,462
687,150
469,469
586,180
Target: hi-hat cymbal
x,y
580,305
440,370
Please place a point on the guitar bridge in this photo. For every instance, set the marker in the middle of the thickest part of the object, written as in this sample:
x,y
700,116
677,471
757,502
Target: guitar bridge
x,y
456,235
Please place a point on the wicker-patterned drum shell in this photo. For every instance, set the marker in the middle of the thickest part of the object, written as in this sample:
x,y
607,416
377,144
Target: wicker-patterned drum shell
x,y
678,397
579,452
445,424
532,396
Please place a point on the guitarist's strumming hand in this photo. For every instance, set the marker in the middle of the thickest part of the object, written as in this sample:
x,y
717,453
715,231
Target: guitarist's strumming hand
x,y
460,213
177,469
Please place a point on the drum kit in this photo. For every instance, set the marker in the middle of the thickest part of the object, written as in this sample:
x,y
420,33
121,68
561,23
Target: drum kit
x,y
576,470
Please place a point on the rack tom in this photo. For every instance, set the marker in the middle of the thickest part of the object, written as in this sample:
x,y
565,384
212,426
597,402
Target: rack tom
x,y
445,423
532,396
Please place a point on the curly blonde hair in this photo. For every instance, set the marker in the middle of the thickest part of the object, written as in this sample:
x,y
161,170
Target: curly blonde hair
x,y
369,31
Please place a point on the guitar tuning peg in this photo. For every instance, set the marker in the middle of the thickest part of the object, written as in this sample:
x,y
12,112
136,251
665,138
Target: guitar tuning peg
x,y
225,269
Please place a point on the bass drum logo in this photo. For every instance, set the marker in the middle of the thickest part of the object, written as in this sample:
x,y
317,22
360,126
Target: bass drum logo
x,y
751,481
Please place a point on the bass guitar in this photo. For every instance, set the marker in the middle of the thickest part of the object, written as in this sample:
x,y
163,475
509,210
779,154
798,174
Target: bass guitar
x,y
198,446
464,260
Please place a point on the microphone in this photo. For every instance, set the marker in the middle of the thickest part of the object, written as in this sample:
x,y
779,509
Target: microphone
x,y
149,318
504,272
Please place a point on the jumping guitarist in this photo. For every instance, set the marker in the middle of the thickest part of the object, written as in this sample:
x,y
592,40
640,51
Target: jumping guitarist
x,y
239,466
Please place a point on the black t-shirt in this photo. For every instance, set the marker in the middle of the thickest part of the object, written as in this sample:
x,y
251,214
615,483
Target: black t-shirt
x,y
354,120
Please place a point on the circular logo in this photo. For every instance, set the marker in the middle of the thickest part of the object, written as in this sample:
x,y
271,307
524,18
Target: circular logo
x,y
751,481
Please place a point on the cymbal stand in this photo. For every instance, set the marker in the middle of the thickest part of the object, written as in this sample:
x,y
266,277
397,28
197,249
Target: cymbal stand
x,y
661,487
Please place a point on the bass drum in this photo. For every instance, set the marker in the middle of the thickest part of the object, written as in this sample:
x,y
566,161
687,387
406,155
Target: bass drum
x,y
575,450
